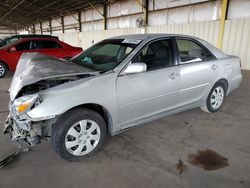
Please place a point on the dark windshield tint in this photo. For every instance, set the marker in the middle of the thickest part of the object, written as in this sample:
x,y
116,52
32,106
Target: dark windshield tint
x,y
106,55
47,44
8,40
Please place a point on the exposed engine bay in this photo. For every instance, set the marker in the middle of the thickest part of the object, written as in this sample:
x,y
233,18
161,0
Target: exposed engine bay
x,y
49,83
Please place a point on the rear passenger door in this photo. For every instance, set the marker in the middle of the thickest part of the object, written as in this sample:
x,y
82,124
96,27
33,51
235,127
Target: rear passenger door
x,y
50,47
198,70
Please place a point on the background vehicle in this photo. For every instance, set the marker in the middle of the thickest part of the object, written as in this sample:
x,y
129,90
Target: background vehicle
x,y
14,38
10,54
115,85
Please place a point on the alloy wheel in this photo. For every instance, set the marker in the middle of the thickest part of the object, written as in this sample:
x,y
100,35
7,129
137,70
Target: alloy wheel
x,y
217,97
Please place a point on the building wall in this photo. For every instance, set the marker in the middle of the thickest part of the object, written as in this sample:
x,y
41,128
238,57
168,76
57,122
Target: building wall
x,y
4,32
194,17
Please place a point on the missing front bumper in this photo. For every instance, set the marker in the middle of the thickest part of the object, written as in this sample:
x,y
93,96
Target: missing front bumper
x,y
32,132
7,125
23,130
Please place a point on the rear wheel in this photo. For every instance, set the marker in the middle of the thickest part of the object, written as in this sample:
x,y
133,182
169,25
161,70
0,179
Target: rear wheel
x,y
78,134
3,70
215,98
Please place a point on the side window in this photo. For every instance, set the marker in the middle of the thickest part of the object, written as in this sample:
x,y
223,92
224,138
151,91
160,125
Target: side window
x,y
156,55
192,52
24,46
123,52
34,45
47,44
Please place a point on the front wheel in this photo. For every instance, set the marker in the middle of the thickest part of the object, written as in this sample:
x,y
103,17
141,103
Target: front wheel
x,y
78,134
67,58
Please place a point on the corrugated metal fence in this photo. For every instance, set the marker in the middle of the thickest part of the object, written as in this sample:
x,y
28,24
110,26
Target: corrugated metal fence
x,y
236,39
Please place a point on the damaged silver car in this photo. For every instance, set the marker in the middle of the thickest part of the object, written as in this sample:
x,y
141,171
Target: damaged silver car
x,y
114,85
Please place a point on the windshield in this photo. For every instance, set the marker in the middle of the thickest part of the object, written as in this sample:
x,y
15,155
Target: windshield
x,y
8,40
106,55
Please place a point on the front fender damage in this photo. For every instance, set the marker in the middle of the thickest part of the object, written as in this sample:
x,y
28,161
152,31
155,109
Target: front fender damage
x,y
35,74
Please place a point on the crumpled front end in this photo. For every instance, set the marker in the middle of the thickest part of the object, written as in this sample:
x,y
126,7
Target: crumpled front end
x,y
36,73
21,127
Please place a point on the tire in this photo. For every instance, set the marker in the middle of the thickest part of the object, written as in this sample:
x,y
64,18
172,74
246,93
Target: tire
x,y
3,69
67,58
216,97
78,134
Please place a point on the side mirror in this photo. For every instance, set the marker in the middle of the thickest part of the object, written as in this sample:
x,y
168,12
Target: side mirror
x,y
12,49
135,68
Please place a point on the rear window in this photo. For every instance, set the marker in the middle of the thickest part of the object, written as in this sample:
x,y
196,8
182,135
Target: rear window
x,y
191,52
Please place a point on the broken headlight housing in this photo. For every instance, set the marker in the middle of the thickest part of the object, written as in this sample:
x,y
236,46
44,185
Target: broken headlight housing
x,y
25,103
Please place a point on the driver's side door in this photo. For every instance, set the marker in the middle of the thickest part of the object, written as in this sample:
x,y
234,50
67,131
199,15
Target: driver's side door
x,y
151,93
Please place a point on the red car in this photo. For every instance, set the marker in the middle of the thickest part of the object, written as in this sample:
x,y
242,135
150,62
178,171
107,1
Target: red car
x,y
10,54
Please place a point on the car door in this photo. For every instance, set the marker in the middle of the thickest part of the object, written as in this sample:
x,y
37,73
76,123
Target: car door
x,y
151,93
17,50
50,47
198,71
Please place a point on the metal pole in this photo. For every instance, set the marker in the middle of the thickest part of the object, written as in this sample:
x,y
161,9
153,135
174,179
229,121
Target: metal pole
x,y
50,26
34,29
80,21
105,17
41,27
144,5
222,22
62,21
146,12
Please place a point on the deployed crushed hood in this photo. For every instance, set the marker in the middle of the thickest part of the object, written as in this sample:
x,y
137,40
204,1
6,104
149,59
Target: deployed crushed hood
x,y
34,67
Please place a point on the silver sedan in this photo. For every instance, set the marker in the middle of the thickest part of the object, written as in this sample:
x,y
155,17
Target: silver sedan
x,y
114,85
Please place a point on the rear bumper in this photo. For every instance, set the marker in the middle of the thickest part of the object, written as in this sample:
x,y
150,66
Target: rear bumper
x,y
234,83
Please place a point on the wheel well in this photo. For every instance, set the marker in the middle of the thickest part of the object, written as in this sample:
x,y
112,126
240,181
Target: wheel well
x,y
67,57
224,82
5,64
101,110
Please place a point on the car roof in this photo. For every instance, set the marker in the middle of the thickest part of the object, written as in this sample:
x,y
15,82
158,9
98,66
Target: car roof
x,y
149,36
30,39
33,35
38,38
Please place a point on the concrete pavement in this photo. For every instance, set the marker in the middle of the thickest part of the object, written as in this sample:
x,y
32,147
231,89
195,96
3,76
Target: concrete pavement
x,y
152,155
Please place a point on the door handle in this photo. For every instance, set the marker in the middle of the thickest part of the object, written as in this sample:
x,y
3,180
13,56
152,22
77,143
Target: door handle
x,y
172,75
214,67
